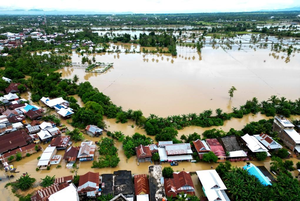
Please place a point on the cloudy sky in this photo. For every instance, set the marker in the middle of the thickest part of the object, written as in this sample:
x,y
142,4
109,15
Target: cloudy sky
x,y
150,6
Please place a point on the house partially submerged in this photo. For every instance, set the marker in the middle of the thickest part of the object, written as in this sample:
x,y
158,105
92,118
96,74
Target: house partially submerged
x,y
212,185
232,147
267,141
52,102
141,187
253,170
14,140
93,130
28,149
201,147
44,193
34,114
68,193
287,133
60,142
217,148
143,153
180,183
118,183
12,88
157,190
254,145
71,155
46,157
88,184
175,152
87,151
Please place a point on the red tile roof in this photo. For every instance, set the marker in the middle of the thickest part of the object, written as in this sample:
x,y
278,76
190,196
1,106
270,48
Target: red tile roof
x,y
141,184
266,137
14,140
88,177
143,152
216,147
180,183
199,146
44,193
63,179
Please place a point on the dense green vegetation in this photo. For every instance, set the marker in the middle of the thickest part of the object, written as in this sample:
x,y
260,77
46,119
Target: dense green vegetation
x,y
243,186
47,181
130,143
108,154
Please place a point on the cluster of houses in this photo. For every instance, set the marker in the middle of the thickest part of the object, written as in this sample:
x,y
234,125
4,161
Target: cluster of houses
x,y
60,105
17,39
232,148
124,186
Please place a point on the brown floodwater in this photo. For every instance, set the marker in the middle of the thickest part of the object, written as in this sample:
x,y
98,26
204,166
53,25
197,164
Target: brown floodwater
x,y
190,83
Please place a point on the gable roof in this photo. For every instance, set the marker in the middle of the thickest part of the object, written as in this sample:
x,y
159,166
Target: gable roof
x,y
69,193
71,153
201,146
33,114
230,143
87,149
178,149
141,184
216,147
181,182
12,88
88,182
253,144
267,141
143,152
44,193
93,129
212,185
60,141
13,140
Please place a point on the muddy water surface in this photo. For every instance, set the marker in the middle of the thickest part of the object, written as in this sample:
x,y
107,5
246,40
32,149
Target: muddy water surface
x,y
165,85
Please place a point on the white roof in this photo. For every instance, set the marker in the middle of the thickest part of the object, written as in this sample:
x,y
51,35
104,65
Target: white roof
x,y
46,156
180,158
65,112
285,122
43,134
162,143
212,185
69,193
45,125
253,144
144,197
43,162
162,154
52,102
49,149
10,96
239,153
175,149
272,145
17,125
293,134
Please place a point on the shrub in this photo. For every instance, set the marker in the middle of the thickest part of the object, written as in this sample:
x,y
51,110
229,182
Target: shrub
x,y
11,158
261,156
167,172
28,154
18,156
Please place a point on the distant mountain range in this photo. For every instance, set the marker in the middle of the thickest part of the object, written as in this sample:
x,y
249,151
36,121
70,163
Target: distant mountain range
x,y
284,9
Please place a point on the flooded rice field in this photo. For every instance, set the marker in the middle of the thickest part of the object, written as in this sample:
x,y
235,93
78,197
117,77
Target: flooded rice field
x,y
164,85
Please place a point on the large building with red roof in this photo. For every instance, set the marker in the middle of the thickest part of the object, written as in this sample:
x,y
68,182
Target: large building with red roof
x,y
180,183
14,140
216,147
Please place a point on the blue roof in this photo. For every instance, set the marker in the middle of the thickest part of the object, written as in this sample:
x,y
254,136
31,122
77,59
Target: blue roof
x,y
58,106
253,170
30,107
